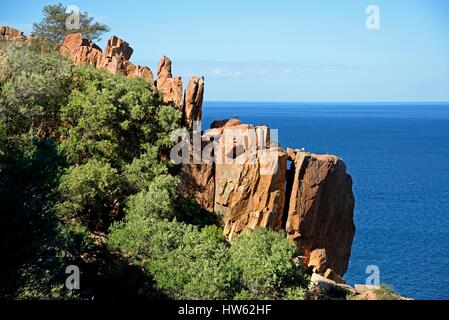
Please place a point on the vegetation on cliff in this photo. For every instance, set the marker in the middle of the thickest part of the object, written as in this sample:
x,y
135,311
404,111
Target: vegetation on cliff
x,y
84,182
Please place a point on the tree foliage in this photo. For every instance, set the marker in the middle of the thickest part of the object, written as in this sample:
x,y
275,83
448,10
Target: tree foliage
x,y
113,118
264,262
35,84
56,18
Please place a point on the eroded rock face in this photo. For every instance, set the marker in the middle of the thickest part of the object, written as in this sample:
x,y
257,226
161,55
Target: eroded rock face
x,y
198,181
313,201
170,87
225,123
118,48
114,59
249,186
245,189
11,34
81,51
321,206
247,199
193,101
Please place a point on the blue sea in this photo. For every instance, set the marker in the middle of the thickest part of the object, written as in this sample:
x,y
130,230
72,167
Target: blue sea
x,y
398,156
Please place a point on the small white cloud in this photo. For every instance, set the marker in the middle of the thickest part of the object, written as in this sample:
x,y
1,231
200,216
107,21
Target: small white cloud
x,y
261,72
286,72
226,73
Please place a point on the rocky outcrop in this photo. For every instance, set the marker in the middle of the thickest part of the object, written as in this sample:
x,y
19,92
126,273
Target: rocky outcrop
x,y
250,191
11,34
170,87
81,51
193,101
115,57
225,123
247,182
118,48
320,210
313,201
198,181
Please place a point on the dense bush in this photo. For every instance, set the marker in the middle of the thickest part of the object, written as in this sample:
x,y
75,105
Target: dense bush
x,y
113,131
35,83
114,118
186,262
192,263
90,193
74,144
264,262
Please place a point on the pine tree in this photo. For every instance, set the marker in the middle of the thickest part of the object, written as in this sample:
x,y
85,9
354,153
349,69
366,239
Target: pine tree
x,y
58,22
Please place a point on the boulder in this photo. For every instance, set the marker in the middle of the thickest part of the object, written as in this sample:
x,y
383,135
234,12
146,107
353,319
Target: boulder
x,y
80,51
225,123
320,209
332,275
317,260
326,289
135,71
11,34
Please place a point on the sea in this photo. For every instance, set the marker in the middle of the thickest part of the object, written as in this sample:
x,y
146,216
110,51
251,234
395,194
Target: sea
x,y
398,157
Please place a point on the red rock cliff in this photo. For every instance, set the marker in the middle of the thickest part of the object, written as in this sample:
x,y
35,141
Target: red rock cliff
x,y
312,201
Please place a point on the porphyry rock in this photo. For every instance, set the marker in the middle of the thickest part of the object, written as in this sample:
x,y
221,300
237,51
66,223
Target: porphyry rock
x,y
193,101
198,181
118,48
170,87
80,51
332,275
11,34
320,213
225,123
250,191
114,59
327,289
318,260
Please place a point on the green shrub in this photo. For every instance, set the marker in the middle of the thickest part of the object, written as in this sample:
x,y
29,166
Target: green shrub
x,y
264,261
90,194
142,170
114,118
185,262
385,292
35,83
191,263
157,200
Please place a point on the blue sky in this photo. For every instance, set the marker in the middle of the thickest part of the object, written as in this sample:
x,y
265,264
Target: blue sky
x,y
284,50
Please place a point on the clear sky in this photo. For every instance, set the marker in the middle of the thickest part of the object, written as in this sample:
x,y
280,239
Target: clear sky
x,y
281,50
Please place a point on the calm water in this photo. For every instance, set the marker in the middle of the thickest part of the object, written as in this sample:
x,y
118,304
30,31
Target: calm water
x,y
398,156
